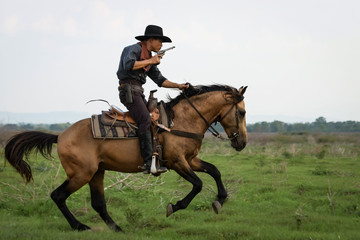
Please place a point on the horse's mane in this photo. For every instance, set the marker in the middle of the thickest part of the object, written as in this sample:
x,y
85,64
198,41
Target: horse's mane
x,y
201,89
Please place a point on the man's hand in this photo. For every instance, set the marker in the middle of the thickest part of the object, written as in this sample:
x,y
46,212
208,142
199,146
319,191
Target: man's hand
x,y
182,87
155,60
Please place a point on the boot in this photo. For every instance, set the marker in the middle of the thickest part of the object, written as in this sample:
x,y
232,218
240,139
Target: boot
x,y
147,152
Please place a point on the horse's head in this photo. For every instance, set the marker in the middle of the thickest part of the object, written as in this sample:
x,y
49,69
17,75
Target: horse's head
x,y
230,114
232,118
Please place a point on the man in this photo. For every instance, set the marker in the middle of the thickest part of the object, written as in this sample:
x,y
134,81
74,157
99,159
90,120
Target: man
x,y
136,63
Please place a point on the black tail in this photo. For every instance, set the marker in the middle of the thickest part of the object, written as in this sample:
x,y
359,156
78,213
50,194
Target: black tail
x,y
22,144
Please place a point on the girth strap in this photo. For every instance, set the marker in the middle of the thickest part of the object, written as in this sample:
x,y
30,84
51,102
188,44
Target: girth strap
x,y
181,133
187,134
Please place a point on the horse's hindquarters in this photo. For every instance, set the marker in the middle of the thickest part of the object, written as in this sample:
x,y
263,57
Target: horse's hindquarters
x,y
80,152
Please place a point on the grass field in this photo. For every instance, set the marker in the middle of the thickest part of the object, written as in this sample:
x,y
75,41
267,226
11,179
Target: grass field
x,y
281,186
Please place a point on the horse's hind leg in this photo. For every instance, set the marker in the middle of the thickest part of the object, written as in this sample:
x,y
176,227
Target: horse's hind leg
x,y
98,199
201,166
61,194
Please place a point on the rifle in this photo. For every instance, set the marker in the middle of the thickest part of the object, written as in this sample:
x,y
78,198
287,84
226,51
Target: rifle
x,y
162,52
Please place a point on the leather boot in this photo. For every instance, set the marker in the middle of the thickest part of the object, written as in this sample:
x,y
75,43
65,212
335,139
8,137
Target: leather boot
x,y
147,152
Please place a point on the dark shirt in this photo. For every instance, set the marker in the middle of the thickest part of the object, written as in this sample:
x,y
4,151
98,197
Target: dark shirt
x,y
128,57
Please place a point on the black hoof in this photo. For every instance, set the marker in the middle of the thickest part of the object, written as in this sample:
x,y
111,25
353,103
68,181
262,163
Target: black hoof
x,y
82,227
216,206
116,228
169,210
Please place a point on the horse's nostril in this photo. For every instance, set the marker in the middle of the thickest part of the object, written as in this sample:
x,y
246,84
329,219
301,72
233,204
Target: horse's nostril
x,y
238,145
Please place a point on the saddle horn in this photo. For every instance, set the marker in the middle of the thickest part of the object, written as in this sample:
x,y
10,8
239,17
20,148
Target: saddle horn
x,y
152,102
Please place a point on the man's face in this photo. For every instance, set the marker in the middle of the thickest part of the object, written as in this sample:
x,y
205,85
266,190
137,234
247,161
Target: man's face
x,y
156,44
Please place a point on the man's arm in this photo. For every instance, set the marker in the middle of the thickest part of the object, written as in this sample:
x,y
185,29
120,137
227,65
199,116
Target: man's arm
x,y
169,84
151,61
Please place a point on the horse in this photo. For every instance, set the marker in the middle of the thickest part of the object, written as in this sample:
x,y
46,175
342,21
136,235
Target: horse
x,y
85,159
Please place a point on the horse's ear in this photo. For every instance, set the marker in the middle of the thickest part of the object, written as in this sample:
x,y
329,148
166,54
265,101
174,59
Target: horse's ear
x,y
242,90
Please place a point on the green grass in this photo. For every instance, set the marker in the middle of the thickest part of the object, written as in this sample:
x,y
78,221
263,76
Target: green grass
x,y
280,187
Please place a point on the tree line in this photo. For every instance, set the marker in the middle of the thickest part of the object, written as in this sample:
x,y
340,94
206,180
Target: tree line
x,y
319,125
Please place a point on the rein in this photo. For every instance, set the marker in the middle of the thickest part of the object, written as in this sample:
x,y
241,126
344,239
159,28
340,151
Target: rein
x,y
211,129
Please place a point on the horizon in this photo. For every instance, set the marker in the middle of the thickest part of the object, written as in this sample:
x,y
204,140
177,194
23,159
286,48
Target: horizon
x,y
71,117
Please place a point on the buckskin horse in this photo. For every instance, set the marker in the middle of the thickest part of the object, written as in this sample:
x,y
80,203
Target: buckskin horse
x,y
85,159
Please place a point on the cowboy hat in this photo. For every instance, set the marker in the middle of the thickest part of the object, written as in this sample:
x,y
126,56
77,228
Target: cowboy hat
x,y
155,32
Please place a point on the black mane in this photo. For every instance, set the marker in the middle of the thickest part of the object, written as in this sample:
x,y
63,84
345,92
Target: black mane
x,y
198,90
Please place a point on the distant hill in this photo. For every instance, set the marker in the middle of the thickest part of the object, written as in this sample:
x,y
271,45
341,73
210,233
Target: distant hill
x,y
72,117
46,118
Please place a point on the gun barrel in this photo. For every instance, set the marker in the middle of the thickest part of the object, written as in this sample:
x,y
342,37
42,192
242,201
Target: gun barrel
x,y
164,50
169,48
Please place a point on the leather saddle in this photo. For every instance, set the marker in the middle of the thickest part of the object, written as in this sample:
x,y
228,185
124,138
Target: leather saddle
x,y
117,114
117,118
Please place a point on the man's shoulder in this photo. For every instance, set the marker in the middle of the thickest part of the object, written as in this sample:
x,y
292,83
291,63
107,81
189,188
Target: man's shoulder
x,y
133,47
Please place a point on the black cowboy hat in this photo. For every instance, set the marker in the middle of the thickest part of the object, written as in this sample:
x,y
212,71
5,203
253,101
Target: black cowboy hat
x,y
155,32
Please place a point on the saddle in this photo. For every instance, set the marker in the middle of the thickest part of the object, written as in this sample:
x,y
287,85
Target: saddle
x,y
116,117
115,123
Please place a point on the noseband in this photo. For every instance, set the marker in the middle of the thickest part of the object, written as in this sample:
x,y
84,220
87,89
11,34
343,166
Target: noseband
x,y
211,129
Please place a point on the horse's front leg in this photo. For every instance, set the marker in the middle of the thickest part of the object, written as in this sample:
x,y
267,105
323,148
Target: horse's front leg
x,y
201,166
184,170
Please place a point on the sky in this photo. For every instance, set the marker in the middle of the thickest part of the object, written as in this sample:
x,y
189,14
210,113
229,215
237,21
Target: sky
x,y
299,59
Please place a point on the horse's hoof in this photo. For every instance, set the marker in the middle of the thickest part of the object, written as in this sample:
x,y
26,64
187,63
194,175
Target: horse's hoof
x,y
83,227
216,206
169,210
116,228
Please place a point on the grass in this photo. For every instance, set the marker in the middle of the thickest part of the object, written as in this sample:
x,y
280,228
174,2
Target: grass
x,y
281,186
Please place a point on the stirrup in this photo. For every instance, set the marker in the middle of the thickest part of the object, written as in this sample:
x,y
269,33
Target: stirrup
x,y
157,170
154,169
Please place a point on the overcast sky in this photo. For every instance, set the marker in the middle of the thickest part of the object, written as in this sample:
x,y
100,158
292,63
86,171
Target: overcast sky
x,y
300,59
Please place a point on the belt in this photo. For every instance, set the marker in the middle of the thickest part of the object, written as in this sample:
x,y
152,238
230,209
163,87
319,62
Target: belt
x,y
134,88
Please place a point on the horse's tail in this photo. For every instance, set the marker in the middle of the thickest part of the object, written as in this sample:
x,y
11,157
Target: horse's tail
x,y
22,144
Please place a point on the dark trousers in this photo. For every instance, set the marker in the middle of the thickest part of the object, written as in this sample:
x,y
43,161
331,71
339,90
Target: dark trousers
x,y
138,110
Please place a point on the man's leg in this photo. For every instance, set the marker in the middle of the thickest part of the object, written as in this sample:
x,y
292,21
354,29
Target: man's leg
x,y
141,116
146,149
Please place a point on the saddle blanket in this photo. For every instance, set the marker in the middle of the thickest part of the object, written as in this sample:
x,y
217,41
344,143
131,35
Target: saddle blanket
x,y
99,130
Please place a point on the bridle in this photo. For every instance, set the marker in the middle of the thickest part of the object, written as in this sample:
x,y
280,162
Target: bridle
x,y
235,134
211,129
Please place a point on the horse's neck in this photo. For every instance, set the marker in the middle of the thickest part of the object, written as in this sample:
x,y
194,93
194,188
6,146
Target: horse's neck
x,y
208,104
